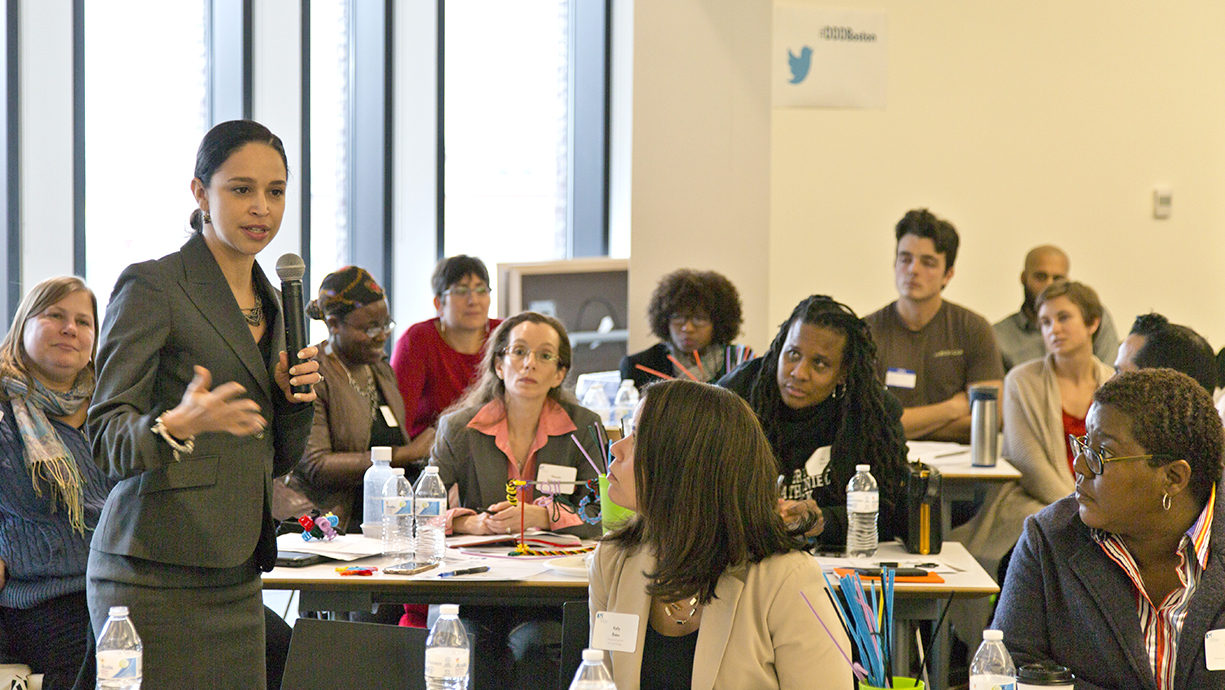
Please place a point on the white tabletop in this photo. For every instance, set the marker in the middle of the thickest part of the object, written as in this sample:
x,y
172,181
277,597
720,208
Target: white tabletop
x,y
953,461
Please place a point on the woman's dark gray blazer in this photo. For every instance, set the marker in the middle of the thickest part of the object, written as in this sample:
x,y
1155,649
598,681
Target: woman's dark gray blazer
x,y
1065,600
210,509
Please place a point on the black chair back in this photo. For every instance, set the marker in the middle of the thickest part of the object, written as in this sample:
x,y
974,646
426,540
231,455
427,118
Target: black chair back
x,y
574,637
324,655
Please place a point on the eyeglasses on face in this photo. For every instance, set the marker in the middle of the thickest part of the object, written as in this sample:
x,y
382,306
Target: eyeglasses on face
x,y
375,331
1096,459
518,354
463,291
678,320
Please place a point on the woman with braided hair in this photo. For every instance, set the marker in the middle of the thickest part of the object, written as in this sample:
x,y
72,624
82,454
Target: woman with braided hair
x,y
823,410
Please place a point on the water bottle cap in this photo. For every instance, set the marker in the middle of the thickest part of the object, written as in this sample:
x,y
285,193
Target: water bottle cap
x,y
626,383
118,611
449,609
431,469
993,635
397,471
863,468
380,454
593,655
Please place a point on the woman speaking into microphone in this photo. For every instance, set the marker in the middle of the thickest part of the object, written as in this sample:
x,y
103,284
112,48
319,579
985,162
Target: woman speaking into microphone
x,y
194,415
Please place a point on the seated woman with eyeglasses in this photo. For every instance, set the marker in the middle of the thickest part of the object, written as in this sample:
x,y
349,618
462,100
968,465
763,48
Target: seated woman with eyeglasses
x,y
358,405
696,315
717,586
437,359
1123,581
516,422
823,410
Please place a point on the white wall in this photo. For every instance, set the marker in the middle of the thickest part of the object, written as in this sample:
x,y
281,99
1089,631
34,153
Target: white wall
x,y
700,180
1022,123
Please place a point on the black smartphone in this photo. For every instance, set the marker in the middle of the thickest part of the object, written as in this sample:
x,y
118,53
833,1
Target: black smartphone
x,y
409,568
297,559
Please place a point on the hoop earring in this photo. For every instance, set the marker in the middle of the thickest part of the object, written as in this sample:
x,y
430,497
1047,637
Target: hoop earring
x,y
839,391
1165,501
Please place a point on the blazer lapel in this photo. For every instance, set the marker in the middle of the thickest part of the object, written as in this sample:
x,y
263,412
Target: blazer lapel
x,y
206,287
1109,585
716,628
632,598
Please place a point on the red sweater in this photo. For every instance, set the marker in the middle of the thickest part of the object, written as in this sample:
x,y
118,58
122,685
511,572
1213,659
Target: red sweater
x,y
430,373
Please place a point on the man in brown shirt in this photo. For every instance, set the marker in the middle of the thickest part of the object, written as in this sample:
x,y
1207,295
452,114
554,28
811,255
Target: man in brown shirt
x,y
929,350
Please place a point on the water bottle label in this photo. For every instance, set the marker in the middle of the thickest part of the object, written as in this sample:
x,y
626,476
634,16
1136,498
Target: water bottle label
x,y
431,507
118,664
862,501
398,505
992,682
446,662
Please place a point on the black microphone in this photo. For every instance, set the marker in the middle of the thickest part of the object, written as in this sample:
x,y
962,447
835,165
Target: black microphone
x,y
290,269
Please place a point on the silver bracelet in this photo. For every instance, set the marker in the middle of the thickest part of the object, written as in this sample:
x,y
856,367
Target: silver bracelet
x,y
185,447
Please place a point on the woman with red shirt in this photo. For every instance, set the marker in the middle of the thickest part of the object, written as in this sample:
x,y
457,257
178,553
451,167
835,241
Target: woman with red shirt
x,y
436,360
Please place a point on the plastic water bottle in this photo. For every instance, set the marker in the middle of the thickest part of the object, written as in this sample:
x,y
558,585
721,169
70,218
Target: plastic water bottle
x,y
862,507
119,652
592,674
446,652
430,520
992,668
372,490
625,402
596,400
398,516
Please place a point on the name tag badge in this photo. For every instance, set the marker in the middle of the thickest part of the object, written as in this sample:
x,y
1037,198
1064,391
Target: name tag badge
x,y
615,632
388,416
897,377
1214,650
557,473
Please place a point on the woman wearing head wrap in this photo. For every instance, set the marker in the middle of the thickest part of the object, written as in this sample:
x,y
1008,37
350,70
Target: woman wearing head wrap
x,y
358,404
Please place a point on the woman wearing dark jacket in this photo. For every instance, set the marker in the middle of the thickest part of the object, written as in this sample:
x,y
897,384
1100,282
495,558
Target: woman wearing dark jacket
x,y
696,315
823,410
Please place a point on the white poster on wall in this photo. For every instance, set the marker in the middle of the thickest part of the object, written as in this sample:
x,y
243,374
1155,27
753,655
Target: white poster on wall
x,y
829,58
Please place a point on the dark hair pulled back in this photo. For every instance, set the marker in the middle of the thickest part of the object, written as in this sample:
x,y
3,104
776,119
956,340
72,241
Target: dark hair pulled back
x,y
220,143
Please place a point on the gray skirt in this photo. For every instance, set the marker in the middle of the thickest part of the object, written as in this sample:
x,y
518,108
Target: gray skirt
x,y
200,627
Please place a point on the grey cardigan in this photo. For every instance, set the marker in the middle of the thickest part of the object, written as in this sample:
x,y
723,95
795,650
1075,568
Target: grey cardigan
x,y
1065,600
470,459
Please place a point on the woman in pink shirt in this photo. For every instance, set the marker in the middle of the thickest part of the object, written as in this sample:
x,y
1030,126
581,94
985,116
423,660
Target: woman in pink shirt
x,y
436,360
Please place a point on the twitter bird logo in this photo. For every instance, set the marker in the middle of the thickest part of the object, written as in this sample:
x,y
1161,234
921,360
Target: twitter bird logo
x,y
799,64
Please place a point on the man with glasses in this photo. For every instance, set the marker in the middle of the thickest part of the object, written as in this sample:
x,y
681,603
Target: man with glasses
x,y
929,350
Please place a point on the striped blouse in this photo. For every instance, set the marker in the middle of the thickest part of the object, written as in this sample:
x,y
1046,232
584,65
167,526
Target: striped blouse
x,y
1161,626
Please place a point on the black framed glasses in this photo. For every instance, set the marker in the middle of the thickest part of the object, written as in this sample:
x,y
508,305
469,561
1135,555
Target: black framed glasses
x,y
1096,459
698,320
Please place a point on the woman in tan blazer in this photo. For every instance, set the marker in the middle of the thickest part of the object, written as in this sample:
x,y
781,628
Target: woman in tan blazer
x,y
717,589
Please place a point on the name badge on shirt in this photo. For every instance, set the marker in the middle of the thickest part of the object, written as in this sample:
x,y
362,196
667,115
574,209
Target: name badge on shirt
x,y
896,377
1214,650
615,632
557,473
388,416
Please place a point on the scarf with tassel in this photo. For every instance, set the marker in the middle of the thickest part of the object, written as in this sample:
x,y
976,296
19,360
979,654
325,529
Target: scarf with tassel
x,y
49,462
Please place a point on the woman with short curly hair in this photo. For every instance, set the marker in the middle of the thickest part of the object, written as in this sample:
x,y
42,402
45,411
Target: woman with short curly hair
x,y
696,315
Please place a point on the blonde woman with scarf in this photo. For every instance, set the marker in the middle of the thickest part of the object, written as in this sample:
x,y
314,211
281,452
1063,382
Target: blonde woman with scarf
x,y
52,490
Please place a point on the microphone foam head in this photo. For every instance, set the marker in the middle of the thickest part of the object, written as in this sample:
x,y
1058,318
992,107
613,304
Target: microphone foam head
x,y
290,267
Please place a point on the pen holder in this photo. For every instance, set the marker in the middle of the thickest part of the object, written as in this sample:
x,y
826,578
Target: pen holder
x,y
611,514
898,684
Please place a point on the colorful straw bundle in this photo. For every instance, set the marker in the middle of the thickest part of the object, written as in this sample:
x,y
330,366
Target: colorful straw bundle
x,y
868,619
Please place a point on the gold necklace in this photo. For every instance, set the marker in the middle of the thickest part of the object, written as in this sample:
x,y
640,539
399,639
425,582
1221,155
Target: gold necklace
x,y
368,391
671,609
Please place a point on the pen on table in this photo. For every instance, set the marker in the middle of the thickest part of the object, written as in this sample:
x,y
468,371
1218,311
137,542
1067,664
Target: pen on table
x,y
466,571
951,453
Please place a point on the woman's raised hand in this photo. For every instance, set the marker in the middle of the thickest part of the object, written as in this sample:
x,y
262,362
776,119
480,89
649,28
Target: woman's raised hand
x,y
223,409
